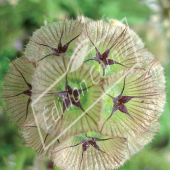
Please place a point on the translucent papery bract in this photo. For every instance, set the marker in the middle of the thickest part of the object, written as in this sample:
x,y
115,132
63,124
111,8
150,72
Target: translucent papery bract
x,y
51,75
41,141
50,35
114,154
157,72
116,22
84,19
127,46
18,104
141,109
135,144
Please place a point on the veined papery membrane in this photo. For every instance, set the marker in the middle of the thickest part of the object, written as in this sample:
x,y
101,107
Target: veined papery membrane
x,y
17,90
136,144
41,142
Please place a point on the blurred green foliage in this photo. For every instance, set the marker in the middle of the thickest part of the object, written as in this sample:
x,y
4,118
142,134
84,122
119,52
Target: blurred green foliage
x,y
20,18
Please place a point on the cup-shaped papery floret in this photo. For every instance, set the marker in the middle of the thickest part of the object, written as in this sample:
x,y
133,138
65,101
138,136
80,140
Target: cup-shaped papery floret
x,y
91,151
110,48
55,39
130,103
71,103
17,90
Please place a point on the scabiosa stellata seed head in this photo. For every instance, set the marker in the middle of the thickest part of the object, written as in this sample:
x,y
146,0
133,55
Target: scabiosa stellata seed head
x,y
96,93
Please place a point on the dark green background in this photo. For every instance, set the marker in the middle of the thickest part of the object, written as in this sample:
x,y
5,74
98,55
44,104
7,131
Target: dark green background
x,y
19,18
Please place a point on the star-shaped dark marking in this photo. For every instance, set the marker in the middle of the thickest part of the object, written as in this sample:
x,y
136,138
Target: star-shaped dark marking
x,y
86,142
70,96
103,59
45,139
119,103
61,49
26,92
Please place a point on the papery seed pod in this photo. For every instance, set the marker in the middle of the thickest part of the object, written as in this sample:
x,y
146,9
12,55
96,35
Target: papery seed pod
x,y
129,104
135,144
88,152
55,39
71,105
111,47
40,141
17,90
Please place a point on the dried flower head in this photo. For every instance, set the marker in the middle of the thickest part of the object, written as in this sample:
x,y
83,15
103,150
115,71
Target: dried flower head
x,y
95,102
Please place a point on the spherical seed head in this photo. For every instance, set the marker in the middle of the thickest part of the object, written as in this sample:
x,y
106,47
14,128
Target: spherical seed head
x,y
69,96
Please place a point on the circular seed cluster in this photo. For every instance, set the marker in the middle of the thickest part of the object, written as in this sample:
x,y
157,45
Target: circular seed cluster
x,y
87,93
